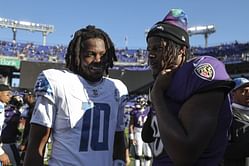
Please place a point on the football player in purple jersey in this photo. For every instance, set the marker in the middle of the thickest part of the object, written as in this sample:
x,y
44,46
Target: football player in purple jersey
x,y
143,154
190,99
80,107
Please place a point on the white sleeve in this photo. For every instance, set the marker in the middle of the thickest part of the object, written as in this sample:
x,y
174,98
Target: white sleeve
x,y
44,112
44,85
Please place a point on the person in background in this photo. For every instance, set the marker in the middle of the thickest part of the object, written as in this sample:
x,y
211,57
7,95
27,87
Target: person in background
x,y
189,98
29,101
237,150
10,133
143,154
5,96
80,107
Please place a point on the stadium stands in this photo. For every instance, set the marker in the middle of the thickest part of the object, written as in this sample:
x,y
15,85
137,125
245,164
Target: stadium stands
x,y
131,59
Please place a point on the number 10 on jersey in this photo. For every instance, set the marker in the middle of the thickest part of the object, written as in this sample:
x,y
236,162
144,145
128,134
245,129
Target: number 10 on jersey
x,y
95,128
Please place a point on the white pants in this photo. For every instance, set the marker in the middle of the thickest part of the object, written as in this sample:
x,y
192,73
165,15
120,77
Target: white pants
x,y
141,148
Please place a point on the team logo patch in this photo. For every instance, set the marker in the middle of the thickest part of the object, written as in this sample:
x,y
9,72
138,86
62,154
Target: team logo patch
x,y
42,85
95,92
205,71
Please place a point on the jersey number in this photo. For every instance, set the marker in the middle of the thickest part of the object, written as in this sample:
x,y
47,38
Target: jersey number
x,y
95,128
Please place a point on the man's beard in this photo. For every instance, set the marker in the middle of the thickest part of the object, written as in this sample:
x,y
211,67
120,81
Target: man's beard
x,y
92,72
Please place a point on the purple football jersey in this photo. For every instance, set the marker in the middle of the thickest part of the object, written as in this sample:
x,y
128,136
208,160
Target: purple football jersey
x,y
139,116
197,75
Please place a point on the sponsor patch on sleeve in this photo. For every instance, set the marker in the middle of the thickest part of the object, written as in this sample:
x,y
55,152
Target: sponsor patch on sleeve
x,y
205,71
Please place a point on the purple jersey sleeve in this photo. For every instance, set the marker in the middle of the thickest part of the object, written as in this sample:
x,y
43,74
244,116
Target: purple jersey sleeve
x,y
198,74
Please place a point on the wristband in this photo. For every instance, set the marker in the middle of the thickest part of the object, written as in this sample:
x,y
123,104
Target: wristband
x,y
118,163
131,136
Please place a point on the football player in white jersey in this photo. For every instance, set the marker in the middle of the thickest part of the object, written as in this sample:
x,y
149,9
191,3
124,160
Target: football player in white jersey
x,y
80,108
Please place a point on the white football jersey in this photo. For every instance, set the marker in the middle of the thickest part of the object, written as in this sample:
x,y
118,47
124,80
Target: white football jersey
x,y
83,117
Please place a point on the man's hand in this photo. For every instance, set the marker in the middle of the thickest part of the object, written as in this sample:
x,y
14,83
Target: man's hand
x,y
5,159
162,81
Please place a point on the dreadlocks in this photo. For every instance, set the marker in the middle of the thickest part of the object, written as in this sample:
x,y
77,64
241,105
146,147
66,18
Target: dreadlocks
x,y
170,52
76,46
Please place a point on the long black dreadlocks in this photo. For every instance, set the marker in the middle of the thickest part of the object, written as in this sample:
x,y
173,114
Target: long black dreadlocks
x,y
76,46
170,52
